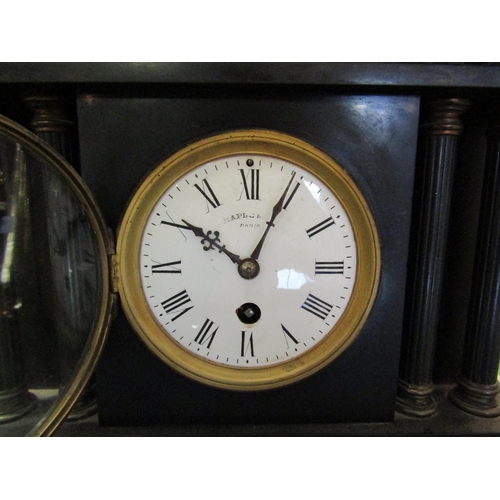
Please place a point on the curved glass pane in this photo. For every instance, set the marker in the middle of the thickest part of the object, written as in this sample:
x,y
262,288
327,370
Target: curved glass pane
x,y
51,289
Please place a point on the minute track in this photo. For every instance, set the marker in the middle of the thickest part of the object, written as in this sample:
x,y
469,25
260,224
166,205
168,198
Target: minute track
x,y
211,240
275,218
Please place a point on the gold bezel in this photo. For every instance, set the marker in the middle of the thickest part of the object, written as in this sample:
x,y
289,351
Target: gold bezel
x,y
252,142
69,393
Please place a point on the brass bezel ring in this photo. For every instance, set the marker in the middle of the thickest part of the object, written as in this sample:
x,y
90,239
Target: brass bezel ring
x,y
88,360
248,142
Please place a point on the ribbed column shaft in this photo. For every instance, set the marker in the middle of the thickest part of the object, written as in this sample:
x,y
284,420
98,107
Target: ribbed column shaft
x,y
51,124
478,388
440,130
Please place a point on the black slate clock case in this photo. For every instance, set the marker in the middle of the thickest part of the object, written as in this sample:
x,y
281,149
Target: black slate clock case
x,y
372,137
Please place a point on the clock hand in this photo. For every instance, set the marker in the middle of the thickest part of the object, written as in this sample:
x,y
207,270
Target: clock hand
x,y
211,242
276,210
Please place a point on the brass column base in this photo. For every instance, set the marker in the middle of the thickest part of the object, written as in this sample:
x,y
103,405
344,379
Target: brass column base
x,y
15,403
477,399
86,404
415,400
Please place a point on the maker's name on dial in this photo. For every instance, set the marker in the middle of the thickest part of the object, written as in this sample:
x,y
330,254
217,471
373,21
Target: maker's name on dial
x,y
240,216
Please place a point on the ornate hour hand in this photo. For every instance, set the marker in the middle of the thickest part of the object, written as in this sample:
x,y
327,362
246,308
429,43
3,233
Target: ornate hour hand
x,y
211,240
276,210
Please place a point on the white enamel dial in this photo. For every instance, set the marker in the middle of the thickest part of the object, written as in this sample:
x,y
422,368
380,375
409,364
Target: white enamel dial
x,y
200,239
248,260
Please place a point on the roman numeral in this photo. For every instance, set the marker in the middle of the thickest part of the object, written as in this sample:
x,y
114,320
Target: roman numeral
x,y
334,267
288,335
251,188
174,305
210,196
292,194
316,306
205,334
168,267
246,344
320,227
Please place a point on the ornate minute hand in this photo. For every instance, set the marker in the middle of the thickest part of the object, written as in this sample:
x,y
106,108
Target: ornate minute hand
x,y
211,242
276,210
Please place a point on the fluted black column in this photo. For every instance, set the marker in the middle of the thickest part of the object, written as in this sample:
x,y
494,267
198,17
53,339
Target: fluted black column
x,y
478,388
440,128
51,123
74,314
